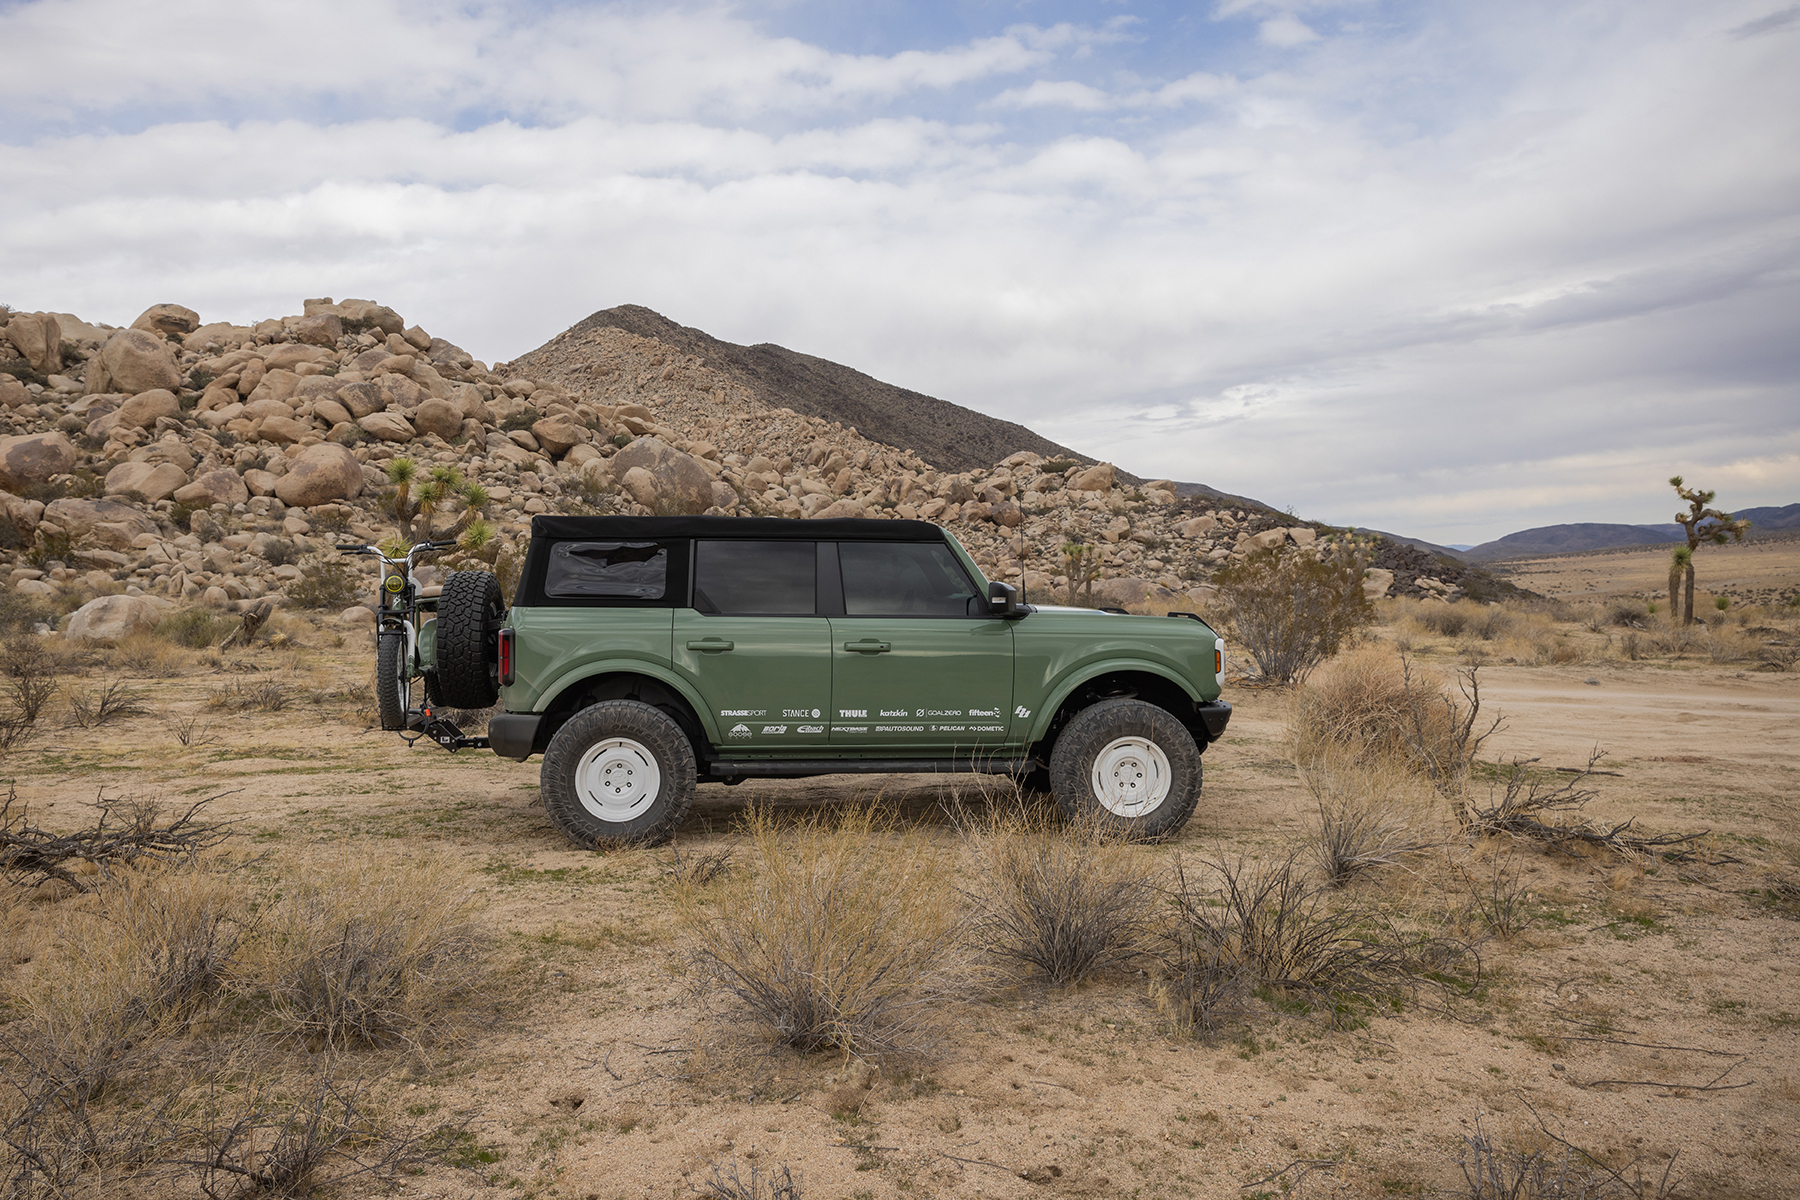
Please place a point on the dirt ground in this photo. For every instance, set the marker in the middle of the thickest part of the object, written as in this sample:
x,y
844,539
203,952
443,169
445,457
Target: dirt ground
x,y
1648,1012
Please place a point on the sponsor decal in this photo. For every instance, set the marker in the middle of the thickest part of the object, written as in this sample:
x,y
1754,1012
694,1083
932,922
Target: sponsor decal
x,y
849,729
854,712
984,712
1021,712
743,712
902,713
809,729
800,713
899,729
938,712
774,728
987,729
950,728
739,730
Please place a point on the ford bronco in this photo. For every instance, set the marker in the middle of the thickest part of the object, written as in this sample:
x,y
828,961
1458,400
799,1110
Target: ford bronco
x,y
643,655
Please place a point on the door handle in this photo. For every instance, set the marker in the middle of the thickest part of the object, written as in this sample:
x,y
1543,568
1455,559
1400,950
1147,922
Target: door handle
x,y
711,645
868,646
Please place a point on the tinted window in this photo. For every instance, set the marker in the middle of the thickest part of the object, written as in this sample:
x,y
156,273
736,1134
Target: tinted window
x,y
626,570
754,578
903,579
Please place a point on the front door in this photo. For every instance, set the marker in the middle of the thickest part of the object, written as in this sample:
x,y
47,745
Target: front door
x,y
753,646
912,669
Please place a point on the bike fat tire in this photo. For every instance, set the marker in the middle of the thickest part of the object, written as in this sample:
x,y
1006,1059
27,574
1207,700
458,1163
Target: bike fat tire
x,y
393,689
469,611
1107,724
574,761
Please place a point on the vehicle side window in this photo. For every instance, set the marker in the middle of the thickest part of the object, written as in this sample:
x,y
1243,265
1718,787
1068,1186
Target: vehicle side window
x,y
623,570
903,579
744,579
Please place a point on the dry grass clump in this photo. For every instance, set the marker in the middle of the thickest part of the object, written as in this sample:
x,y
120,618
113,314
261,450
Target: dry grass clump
x,y
1266,927
368,954
29,681
1060,902
840,932
1368,708
1372,813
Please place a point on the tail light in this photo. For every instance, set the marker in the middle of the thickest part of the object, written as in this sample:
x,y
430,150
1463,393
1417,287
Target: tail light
x,y
505,663
1219,661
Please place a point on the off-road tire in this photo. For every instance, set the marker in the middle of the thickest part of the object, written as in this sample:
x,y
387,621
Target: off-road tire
x,y
469,609
596,760
393,683
1133,744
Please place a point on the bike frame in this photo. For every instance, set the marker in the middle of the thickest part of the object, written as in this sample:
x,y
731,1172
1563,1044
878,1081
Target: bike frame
x,y
397,608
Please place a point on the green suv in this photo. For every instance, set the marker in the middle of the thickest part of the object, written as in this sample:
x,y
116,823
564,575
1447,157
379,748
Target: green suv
x,y
643,655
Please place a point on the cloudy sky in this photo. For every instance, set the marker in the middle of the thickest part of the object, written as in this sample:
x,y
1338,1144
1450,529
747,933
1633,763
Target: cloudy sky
x,y
1449,269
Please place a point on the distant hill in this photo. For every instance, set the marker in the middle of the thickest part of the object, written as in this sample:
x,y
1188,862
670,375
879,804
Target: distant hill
x,y
1571,539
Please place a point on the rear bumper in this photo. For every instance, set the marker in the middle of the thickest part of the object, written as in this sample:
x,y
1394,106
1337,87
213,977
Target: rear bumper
x,y
512,735
1214,715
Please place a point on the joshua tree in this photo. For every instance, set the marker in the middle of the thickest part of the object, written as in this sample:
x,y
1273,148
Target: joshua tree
x,y
413,500
1703,524
1082,565
1680,563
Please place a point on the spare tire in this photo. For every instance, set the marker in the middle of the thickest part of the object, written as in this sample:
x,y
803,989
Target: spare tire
x,y
468,617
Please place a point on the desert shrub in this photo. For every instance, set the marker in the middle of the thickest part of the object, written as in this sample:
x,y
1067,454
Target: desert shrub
x,y
1060,903
1629,614
1382,711
147,652
367,954
195,628
279,552
1490,622
109,702
1446,620
19,613
259,695
840,934
324,583
523,417
1371,813
1269,928
28,682
1727,645
1291,610
724,1183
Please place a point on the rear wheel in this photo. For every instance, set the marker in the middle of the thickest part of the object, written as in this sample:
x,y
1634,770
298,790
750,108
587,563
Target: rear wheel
x,y
1127,766
618,771
469,609
393,678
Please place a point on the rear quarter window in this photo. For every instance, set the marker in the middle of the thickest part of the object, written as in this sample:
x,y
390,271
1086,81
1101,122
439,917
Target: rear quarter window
x,y
607,570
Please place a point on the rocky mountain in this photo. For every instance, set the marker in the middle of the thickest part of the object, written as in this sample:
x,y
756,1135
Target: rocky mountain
x,y
180,461
946,436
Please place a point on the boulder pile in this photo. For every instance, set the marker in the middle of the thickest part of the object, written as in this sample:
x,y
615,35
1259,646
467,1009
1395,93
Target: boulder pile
x,y
198,461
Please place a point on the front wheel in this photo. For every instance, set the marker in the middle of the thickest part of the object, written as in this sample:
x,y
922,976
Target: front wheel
x,y
618,771
1127,766
393,678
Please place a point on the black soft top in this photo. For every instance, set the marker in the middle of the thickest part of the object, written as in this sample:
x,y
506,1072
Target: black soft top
x,y
562,529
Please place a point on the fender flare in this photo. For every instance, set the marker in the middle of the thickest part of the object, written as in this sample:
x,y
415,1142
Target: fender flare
x,y
576,676
1076,676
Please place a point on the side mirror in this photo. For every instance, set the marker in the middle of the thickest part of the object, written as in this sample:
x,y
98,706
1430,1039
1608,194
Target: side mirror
x,y
1003,600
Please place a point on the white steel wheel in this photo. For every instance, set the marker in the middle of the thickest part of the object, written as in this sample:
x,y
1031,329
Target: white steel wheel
x,y
1128,767
617,779
619,772
1131,776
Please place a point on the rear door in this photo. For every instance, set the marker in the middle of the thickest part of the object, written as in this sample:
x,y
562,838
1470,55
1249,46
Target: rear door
x,y
917,664
754,645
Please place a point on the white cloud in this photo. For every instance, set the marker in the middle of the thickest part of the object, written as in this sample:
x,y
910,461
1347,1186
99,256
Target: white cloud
x,y
1286,30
